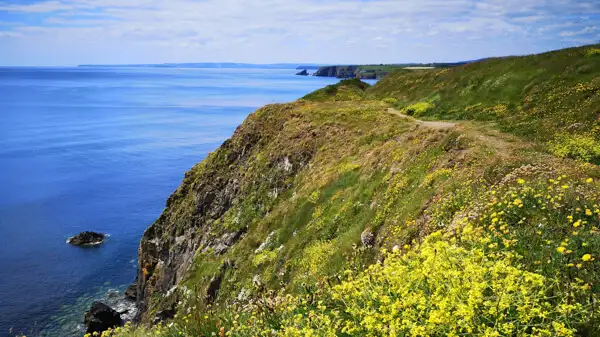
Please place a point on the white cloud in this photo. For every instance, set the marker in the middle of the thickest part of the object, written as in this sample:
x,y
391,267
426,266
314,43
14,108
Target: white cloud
x,y
584,31
278,30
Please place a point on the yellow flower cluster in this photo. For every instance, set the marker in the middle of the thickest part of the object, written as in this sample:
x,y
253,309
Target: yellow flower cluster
x,y
418,109
584,147
592,52
440,289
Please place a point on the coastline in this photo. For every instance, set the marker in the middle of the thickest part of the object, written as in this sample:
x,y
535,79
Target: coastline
x,y
104,157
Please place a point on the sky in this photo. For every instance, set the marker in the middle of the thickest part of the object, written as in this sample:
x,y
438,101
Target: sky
x,y
72,32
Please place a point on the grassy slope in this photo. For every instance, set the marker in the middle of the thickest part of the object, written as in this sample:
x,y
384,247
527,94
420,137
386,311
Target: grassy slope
x,y
501,195
534,96
345,90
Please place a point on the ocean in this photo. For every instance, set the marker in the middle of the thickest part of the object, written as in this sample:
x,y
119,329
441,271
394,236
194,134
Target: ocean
x,y
101,149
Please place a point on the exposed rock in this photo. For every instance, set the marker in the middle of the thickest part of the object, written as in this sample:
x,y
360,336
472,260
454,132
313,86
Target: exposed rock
x,y
286,165
303,73
243,295
164,315
266,243
213,288
337,71
576,127
86,238
193,214
222,244
367,238
101,317
131,292
256,281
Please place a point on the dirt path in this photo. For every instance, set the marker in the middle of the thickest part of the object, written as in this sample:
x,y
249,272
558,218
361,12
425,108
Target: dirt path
x,y
429,124
502,143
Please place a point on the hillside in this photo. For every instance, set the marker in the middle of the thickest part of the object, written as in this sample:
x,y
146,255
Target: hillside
x,y
541,97
349,213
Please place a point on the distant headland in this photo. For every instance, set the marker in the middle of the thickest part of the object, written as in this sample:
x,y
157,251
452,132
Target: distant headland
x,y
365,71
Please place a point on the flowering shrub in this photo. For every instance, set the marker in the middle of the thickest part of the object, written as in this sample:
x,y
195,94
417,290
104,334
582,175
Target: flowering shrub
x,y
440,289
390,100
580,147
418,109
315,259
437,174
592,52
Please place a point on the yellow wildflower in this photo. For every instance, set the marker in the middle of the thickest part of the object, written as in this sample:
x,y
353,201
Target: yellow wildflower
x,y
586,257
561,249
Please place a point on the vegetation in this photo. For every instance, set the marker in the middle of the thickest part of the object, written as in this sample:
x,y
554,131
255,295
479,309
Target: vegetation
x,y
417,109
581,147
345,90
490,228
536,97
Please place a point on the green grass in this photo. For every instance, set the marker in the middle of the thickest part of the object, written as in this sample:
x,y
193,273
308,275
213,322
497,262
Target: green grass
x,y
536,97
345,90
384,67
503,190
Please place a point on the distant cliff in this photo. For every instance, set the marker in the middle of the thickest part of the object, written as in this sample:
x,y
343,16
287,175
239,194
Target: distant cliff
x,y
374,71
356,71
337,71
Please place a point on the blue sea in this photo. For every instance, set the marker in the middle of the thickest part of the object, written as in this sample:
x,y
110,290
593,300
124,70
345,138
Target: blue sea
x,y
101,149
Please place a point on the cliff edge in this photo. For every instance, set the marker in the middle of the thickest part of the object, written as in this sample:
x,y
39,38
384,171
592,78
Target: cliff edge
x,y
344,208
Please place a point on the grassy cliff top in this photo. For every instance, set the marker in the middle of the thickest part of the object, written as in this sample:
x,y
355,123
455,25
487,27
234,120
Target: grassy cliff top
x,y
349,213
536,96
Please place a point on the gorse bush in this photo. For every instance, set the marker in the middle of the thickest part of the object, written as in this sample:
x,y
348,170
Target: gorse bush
x,y
440,289
592,52
418,109
580,147
390,100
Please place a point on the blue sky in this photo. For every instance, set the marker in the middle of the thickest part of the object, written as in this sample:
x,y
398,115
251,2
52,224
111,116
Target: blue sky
x,y
71,32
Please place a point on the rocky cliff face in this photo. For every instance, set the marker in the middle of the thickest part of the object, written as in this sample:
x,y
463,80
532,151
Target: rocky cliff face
x,y
229,177
337,71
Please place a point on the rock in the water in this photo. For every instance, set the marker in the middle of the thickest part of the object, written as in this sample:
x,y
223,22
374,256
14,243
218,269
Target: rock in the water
x,y
131,292
86,238
303,73
101,317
